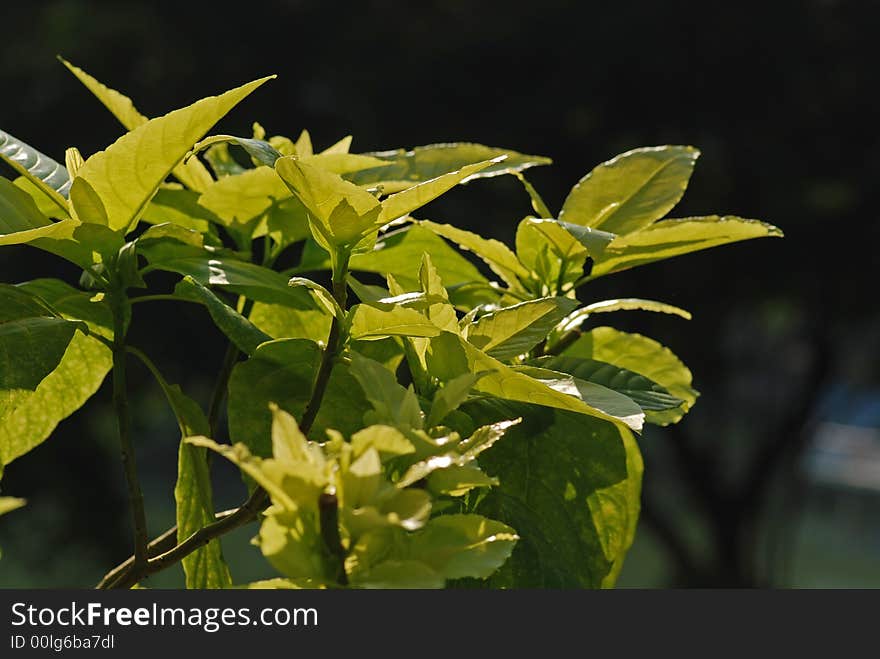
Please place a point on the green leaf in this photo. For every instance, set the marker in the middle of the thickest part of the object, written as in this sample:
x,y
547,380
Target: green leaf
x,y
242,199
537,202
644,356
283,372
438,309
72,303
284,584
405,168
406,201
571,487
21,222
8,504
44,202
387,440
27,418
180,207
32,341
632,190
496,254
341,213
243,333
449,356
675,237
73,160
205,567
222,163
46,174
280,321
457,480
261,151
398,575
114,186
211,269
392,403
400,255
576,318
192,174
459,546
452,394
321,295
513,331
368,322
649,395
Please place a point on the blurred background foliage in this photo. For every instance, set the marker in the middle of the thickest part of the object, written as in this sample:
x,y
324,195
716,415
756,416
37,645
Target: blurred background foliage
x,y
773,479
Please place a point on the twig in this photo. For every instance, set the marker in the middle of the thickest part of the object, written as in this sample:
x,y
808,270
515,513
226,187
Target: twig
x,y
120,404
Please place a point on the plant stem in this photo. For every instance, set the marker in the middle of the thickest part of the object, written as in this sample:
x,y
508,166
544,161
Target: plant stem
x,y
230,358
120,404
340,294
132,571
328,510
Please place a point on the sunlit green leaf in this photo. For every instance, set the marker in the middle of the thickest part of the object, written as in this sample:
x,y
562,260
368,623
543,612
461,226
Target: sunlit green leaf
x,y
450,356
205,567
392,403
408,200
33,341
261,151
576,318
368,322
243,333
405,168
459,546
281,321
400,255
512,331
570,486
180,207
192,174
22,222
114,186
452,394
632,190
8,504
496,254
341,212
641,355
210,269
49,176
649,395
283,372
27,418
670,238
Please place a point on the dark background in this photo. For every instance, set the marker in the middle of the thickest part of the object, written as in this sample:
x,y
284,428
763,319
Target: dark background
x,y
784,343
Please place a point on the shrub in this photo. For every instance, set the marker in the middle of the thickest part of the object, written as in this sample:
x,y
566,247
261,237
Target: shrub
x,y
411,424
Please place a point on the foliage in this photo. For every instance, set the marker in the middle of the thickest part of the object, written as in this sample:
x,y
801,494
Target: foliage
x,y
510,457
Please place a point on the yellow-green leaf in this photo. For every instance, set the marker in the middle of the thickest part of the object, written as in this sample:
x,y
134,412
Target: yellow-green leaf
x,y
406,201
21,222
41,170
512,331
644,356
632,190
368,322
496,254
675,237
341,212
192,173
450,356
114,186
8,504
405,168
